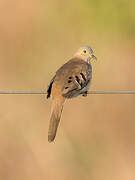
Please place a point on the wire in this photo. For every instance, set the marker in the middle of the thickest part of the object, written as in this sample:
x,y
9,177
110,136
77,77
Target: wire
x,y
90,92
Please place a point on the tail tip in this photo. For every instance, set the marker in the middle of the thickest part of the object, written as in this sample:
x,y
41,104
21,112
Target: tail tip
x,y
50,138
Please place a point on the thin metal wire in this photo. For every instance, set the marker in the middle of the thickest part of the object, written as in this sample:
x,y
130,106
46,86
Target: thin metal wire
x,y
90,92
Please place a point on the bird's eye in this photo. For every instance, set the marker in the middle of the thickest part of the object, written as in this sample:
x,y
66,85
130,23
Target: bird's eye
x,y
84,51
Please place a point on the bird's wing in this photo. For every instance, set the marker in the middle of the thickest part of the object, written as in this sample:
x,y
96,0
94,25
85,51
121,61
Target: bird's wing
x,y
73,76
50,88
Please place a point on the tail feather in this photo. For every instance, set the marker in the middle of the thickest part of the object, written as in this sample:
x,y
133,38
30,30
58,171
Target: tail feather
x,y
57,106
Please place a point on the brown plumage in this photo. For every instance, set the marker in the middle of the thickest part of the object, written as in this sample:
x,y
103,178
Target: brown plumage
x,y
71,80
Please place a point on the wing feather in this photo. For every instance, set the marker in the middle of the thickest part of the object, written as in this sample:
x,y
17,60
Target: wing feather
x,y
72,77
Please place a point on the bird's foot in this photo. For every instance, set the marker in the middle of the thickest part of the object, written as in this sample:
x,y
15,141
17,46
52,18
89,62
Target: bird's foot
x,y
85,94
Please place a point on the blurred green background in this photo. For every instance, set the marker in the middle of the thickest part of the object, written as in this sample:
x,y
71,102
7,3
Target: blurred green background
x,y
95,138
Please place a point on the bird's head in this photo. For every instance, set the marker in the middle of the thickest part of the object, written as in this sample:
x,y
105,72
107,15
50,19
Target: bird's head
x,y
86,53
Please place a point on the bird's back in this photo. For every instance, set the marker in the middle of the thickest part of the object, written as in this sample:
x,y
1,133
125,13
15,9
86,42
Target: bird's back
x,y
72,77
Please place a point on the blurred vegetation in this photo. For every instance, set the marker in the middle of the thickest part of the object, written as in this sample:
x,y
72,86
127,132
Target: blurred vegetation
x,y
117,16
95,139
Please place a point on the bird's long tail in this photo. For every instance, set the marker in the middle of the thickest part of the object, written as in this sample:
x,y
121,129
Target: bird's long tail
x,y
57,106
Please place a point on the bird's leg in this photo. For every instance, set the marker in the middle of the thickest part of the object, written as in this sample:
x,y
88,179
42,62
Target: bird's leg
x,y
84,94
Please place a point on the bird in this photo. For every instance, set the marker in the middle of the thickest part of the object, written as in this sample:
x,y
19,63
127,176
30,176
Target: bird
x,y
71,80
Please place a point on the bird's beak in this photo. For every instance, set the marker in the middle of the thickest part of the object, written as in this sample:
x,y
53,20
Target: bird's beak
x,y
92,58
